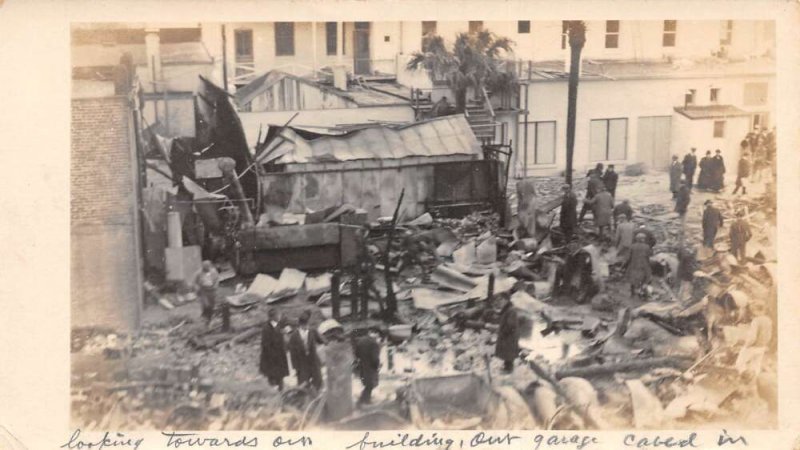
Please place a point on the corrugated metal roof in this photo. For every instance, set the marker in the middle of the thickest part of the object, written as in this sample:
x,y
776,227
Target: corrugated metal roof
x,y
450,135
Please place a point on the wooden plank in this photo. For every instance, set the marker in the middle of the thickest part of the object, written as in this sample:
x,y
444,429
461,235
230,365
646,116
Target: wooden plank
x,y
290,236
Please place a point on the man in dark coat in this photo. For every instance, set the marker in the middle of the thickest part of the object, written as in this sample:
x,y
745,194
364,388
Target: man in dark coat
x,y
687,264
704,179
682,199
740,234
712,222
303,351
569,212
675,171
625,209
507,347
610,179
273,362
594,186
689,166
638,270
368,361
742,172
602,206
717,172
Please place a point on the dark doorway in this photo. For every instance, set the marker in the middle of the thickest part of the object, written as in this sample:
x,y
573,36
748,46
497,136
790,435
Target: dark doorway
x,y
361,48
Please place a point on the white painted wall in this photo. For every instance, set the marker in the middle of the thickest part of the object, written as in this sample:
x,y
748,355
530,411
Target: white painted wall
x,y
630,99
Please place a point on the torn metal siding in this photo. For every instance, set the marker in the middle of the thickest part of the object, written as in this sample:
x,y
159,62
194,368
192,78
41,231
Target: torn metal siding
x,y
443,136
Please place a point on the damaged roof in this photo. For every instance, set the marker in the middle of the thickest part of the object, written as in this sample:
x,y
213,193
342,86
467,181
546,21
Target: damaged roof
x,y
360,95
710,111
450,135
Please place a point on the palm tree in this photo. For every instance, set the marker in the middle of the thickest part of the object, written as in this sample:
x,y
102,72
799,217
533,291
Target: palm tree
x,y
577,38
473,60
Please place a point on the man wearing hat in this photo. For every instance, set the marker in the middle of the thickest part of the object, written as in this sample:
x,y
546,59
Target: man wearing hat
x,y
638,271
568,218
740,234
712,222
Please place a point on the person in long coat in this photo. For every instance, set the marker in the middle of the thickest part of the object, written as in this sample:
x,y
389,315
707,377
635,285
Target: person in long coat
x,y
638,271
689,166
712,222
682,200
368,360
704,179
303,351
624,237
610,180
717,172
568,217
742,172
740,233
602,206
507,346
675,171
273,363
594,185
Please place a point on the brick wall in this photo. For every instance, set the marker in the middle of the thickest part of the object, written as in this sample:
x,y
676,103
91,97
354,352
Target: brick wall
x,y
105,272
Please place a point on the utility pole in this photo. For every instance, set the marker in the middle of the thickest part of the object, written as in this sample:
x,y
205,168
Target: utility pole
x,y
224,59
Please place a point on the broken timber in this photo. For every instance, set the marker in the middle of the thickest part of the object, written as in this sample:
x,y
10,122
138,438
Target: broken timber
x,y
677,362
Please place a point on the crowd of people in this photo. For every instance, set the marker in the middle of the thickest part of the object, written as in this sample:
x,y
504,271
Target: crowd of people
x,y
634,245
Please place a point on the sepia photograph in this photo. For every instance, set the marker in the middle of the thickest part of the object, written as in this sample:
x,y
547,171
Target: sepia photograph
x,y
423,225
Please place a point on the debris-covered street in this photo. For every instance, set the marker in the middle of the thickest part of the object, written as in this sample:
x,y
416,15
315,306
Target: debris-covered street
x,y
591,354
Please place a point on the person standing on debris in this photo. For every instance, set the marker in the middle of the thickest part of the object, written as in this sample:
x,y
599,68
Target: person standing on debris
x,y
568,218
507,346
687,262
704,179
675,171
689,166
740,233
594,186
625,209
368,362
610,179
624,237
742,172
712,222
682,200
602,206
273,363
638,269
207,281
303,351
717,172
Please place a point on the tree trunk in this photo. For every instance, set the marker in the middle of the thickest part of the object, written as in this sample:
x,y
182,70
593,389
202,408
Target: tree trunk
x,y
575,46
461,100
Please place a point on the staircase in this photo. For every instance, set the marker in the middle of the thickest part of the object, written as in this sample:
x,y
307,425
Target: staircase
x,y
481,120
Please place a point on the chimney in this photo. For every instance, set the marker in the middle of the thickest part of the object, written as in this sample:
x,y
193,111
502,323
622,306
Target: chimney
x,y
152,42
340,77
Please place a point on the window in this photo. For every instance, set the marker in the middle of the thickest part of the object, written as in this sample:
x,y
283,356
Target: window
x,y
428,30
713,96
719,128
612,33
284,39
243,41
523,26
670,32
726,32
541,148
564,34
688,99
475,26
608,139
331,38
755,94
